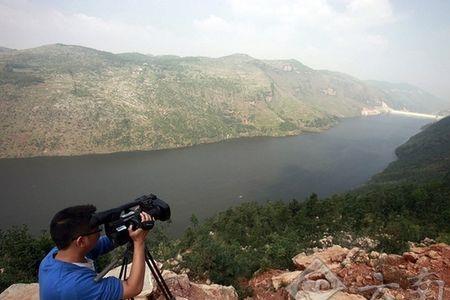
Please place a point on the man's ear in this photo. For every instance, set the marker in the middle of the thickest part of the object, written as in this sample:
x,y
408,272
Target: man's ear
x,y
80,242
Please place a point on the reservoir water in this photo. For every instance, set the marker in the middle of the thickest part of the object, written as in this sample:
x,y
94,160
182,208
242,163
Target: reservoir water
x,y
204,179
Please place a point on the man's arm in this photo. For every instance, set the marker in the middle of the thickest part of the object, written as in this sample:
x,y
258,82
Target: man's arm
x,y
103,246
134,284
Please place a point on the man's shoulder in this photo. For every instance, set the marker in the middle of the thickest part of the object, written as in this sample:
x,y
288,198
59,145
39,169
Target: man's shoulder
x,y
67,282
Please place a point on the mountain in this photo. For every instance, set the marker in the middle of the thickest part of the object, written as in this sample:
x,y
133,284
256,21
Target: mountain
x,y
68,100
4,49
425,156
249,246
403,96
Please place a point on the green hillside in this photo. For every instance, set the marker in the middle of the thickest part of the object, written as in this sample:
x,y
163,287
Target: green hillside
x,y
423,157
69,100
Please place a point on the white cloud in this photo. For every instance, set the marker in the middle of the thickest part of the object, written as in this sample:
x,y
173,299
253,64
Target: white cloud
x,y
214,24
24,25
300,29
377,40
361,13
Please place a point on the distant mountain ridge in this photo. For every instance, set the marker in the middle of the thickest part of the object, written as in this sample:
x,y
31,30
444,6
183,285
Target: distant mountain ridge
x,y
4,49
405,96
69,100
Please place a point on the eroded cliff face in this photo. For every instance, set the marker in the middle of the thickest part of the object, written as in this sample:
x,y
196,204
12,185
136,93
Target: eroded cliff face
x,y
331,273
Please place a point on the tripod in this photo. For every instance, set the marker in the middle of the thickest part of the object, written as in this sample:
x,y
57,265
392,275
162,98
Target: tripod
x,y
127,257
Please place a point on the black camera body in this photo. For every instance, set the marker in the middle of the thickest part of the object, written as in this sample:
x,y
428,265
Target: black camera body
x,y
117,220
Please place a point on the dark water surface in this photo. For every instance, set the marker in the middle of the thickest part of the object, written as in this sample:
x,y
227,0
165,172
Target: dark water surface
x,y
204,179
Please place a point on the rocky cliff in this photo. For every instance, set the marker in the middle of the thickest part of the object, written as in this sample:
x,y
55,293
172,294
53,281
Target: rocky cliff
x,y
353,274
334,273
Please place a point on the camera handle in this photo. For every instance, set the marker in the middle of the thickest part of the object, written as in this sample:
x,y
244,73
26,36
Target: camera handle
x,y
150,263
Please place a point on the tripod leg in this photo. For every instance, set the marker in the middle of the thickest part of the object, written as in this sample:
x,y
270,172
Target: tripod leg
x,y
125,273
124,263
124,267
157,275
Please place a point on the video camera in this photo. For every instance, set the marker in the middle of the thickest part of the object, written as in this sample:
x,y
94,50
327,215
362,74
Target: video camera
x,y
117,220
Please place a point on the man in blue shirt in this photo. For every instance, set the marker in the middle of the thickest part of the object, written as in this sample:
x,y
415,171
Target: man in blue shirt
x,y
67,272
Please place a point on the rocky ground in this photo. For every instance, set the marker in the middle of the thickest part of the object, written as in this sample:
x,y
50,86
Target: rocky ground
x,y
332,273
341,273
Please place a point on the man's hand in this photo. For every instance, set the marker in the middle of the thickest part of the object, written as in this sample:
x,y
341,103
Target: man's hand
x,y
134,284
139,235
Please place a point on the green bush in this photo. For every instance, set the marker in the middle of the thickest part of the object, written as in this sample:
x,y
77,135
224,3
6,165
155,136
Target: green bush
x,y
20,255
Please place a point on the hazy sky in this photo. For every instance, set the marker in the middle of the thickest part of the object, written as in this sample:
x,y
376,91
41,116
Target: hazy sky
x,y
398,41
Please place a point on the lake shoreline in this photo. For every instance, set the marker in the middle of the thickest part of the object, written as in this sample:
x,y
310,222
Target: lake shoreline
x,y
207,178
212,141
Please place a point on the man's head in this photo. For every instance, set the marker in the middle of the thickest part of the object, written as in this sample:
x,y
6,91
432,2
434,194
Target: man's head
x,y
72,225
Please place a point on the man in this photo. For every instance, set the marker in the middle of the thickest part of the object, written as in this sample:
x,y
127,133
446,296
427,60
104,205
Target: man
x,y
67,272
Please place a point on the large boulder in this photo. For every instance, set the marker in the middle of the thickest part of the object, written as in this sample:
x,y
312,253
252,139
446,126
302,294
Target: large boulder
x,y
180,287
284,279
21,291
332,257
149,282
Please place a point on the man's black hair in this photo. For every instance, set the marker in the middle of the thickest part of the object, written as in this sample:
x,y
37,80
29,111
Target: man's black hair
x,y
70,223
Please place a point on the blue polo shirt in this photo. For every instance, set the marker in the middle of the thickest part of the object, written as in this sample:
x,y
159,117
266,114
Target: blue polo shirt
x,y
60,280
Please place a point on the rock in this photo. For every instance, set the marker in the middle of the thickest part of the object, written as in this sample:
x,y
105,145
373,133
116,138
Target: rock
x,y
326,241
149,282
323,284
427,241
433,254
378,276
417,250
423,260
262,287
393,274
366,242
410,256
332,257
346,296
180,286
394,259
352,253
440,247
356,255
213,291
22,291
374,254
173,262
284,279
372,262
339,295
315,276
